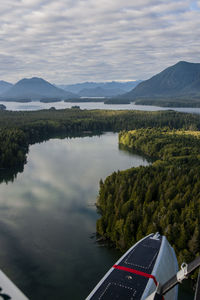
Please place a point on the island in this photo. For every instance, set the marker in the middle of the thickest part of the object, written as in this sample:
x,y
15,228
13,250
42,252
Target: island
x,y
2,107
117,101
85,99
50,100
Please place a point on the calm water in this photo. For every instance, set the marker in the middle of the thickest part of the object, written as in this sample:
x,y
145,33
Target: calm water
x,y
36,105
48,217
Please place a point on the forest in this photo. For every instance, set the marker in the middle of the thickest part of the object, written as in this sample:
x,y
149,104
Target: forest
x,y
19,129
116,101
163,197
170,102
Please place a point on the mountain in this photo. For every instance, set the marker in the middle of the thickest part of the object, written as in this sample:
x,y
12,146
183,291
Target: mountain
x,y
4,86
35,89
80,88
101,92
178,82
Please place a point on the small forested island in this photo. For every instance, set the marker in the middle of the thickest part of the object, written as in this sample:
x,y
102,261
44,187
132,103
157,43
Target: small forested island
x,y
20,100
116,101
85,99
164,196
167,102
75,107
50,100
2,107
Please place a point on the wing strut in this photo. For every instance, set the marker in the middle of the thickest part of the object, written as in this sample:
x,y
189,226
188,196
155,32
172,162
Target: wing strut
x,y
186,269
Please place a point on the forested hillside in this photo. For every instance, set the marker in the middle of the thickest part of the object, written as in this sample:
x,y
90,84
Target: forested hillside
x,y
178,84
164,196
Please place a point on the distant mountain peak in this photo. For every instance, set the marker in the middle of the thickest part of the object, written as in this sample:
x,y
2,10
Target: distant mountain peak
x,y
179,80
36,88
186,63
33,79
182,62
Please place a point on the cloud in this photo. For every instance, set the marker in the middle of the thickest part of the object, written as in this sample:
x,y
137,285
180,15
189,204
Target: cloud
x,y
69,41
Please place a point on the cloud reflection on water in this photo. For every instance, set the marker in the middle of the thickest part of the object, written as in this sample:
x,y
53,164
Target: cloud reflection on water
x,y
47,217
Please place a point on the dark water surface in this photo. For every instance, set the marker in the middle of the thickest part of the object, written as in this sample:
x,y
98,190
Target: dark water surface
x,y
48,218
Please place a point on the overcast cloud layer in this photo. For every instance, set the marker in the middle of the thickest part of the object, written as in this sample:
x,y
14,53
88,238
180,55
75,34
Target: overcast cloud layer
x,y
68,41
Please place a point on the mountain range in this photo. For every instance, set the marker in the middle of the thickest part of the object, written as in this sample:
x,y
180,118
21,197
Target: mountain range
x,y
101,92
32,89
177,85
100,89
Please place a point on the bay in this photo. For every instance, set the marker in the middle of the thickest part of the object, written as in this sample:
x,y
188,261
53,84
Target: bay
x,y
48,217
36,105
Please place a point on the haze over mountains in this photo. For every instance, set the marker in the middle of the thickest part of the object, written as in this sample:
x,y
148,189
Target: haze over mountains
x,y
100,89
100,92
33,89
179,83
4,86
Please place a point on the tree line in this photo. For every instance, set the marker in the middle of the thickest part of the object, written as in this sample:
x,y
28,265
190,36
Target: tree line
x,y
19,129
162,197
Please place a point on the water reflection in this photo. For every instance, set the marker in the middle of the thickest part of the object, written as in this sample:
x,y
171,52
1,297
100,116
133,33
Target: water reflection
x,y
48,216
137,154
7,175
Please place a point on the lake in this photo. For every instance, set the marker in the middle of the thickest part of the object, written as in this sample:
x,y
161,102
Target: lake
x,y
48,217
36,105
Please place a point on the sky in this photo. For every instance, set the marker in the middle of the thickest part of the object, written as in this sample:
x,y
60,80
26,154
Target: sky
x,y
70,41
